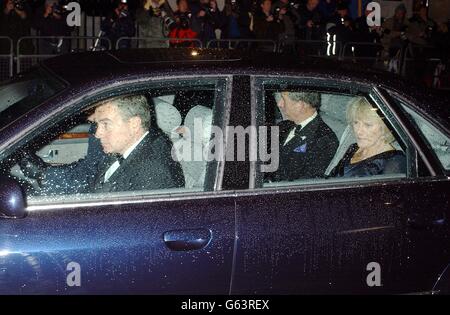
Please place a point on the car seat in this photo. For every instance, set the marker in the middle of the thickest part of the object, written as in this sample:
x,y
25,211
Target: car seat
x,y
198,124
168,118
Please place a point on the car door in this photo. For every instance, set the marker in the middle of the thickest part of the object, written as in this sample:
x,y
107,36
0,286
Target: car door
x,y
331,235
173,241
426,208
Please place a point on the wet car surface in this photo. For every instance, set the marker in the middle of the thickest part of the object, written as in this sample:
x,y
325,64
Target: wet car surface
x,y
229,231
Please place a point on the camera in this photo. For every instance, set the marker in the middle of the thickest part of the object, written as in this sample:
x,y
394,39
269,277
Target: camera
x,y
289,7
293,5
123,13
276,13
403,36
60,7
185,21
429,32
168,21
234,7
19,4
57,8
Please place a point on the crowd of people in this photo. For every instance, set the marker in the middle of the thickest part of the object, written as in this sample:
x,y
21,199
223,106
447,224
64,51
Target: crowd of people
x,y
281,21
202,19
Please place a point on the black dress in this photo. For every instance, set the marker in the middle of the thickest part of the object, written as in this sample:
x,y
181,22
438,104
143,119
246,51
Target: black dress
x,y
389,162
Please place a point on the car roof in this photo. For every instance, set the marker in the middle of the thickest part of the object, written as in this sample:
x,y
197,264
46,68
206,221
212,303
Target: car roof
x,y
75,67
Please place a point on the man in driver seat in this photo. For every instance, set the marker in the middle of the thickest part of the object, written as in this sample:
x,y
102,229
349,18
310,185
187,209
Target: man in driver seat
x,y
136,158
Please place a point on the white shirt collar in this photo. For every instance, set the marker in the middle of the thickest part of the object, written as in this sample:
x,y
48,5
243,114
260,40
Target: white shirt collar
x,y
130,149
303,124
308,120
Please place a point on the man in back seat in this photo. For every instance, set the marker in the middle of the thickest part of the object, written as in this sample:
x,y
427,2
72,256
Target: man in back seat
x,y
307,143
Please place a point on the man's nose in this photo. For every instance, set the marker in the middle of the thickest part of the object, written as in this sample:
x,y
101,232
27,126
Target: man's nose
x,y
98,133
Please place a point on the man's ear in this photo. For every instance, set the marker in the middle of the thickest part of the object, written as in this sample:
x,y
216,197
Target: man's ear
x,y
301,105
306,106
135,122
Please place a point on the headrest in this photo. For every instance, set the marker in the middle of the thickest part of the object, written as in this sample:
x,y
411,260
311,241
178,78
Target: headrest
x,y
168,117
199,114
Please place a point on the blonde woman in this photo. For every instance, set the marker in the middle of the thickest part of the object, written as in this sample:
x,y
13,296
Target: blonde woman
x,y
373,153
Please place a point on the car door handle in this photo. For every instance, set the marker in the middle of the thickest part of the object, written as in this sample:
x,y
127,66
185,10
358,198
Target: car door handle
x,y
189,239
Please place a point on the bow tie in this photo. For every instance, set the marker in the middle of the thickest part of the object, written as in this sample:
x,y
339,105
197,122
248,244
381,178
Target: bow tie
x,y
119,158
298,130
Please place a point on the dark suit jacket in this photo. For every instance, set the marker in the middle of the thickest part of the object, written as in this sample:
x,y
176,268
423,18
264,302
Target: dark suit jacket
x,y
149,166
389,162
307,154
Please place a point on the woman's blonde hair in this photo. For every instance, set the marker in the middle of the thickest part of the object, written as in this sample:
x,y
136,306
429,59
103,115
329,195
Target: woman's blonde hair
x,y
361,108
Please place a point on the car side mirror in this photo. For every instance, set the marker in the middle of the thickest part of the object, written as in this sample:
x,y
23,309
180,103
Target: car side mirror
x,y
12,199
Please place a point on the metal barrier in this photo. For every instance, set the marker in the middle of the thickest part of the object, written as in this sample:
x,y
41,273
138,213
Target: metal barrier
x,y
49,46
153,42
420,62
145,42
361,51
6,59
414,61
244,43
312,48
366,53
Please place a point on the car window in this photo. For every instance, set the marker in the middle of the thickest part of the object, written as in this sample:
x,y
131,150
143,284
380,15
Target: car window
x,y
22,94
153,140
439,142
325,135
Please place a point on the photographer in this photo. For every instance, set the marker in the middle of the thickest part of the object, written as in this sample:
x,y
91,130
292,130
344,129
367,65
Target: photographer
x,y
208,18
291,19
119,23
266,25
51,21
366,34
343,25
150,17
238,19
14,23
421,29
311,21
183,26
394,31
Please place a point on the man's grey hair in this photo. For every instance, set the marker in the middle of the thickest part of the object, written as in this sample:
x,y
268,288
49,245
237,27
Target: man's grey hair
x,y
311,98
133,106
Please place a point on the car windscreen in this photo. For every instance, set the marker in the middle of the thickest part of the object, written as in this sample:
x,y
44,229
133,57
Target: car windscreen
x,y
22,94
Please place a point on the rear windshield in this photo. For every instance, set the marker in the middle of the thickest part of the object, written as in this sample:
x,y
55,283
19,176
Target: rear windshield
x,y
22,94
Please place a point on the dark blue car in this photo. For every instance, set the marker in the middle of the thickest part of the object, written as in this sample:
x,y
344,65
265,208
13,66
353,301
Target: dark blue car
x,y
232,228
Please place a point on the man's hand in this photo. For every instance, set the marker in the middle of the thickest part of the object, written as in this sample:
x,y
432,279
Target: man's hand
x,y
201,13
147,4
310,23
269,18
21,13
32,166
